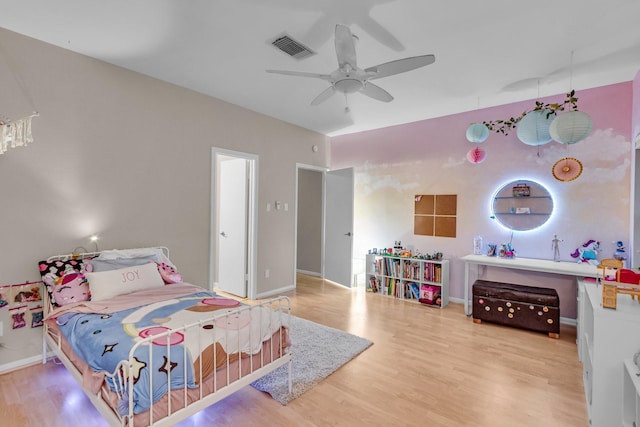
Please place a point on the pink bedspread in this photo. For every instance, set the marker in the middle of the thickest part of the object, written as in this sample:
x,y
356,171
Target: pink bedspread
x,y
124,302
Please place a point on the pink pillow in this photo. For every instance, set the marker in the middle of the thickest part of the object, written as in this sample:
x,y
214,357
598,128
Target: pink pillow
x,y
71,287
169,274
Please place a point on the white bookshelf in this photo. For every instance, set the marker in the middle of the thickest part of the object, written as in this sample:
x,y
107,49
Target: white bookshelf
x,y
408,278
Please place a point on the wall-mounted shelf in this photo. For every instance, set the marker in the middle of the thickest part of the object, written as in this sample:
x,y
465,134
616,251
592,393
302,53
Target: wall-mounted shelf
x,y
522,210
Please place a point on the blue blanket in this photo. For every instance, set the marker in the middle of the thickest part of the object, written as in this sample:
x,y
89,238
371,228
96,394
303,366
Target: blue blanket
x,y
103,340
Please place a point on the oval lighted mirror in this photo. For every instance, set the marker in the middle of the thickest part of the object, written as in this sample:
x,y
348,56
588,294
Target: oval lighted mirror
x,y
522,205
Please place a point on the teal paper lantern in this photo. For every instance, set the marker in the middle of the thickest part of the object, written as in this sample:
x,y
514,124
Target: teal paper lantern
x,y
477,132
571,127
533,128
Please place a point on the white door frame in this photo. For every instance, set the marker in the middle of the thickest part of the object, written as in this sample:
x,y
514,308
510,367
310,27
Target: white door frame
x,y
252,220
295,227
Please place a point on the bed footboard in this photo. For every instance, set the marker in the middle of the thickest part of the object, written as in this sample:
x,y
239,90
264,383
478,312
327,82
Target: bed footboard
x,y
226,352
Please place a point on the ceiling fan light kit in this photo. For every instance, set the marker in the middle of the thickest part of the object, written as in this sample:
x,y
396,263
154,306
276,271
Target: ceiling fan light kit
x,y
348,78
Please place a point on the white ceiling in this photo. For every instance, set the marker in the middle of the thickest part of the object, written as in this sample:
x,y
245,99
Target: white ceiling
x,y
487,52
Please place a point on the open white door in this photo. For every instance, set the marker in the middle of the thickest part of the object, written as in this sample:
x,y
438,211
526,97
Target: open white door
x,y
338,247
232,228
233,243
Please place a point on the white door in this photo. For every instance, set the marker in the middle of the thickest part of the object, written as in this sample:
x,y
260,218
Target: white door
x,y
338,245
232,229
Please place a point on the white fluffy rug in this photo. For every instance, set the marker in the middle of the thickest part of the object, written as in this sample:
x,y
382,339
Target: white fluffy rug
x,y
317,351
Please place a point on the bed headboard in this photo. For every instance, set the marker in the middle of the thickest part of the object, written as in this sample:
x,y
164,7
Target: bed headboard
x,y
57,266
84,255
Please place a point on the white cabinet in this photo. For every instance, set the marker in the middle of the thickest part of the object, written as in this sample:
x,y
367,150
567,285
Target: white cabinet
x,y
631,395
606,337
413,279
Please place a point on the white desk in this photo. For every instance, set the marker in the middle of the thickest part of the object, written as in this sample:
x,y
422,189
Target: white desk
x,y
541,265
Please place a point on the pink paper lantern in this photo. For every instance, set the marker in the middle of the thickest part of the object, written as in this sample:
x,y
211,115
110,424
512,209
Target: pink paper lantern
x,y
476,155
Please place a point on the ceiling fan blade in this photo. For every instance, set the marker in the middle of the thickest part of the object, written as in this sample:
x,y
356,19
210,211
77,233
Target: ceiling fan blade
x,y
345,47
380,33
324,95
376,92
301,74
400,66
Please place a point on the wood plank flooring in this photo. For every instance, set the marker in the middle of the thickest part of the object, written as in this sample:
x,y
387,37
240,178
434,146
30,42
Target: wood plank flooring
x,y
427,367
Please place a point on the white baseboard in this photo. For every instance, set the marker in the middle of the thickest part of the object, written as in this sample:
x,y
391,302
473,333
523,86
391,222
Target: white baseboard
x,y
456,300
276,292
309,273
18,364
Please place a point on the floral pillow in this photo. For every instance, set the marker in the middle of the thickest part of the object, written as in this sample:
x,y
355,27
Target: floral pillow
x,y
51,271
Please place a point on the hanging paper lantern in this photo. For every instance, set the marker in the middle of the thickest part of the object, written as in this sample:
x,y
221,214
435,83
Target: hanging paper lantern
x,y
533,128
571,127
477,132
567,169
476,155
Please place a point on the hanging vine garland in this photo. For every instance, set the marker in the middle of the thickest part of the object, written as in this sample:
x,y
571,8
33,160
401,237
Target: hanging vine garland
x,y
506,126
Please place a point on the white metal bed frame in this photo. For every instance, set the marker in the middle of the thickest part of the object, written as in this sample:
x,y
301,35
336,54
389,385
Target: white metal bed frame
x,y
280,305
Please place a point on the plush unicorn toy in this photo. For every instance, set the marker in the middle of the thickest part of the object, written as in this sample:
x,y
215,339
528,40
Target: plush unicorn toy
x,y
588,252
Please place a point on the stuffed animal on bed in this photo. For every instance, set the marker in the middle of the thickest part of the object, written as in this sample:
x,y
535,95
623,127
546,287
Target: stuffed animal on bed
x,y
72,287
169,274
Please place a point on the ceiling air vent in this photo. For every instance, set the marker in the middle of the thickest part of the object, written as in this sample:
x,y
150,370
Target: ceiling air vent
x,y
292,47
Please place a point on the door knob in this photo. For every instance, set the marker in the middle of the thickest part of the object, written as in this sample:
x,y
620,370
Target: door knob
x,y
347,234
223,234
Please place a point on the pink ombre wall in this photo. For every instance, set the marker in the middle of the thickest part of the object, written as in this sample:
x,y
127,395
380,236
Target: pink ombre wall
x,y
394,164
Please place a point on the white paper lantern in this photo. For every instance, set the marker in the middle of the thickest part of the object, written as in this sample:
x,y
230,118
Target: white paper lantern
x,y
533,128
477,132
571,127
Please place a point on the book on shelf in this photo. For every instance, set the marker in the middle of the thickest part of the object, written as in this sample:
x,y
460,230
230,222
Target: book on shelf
x,y
432,272
374,284
415,290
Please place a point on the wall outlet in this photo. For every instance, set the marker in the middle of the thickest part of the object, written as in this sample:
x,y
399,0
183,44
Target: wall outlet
x,y
266,273
1,328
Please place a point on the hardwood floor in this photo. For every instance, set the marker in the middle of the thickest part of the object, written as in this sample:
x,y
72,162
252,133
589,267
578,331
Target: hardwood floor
x,y
427,367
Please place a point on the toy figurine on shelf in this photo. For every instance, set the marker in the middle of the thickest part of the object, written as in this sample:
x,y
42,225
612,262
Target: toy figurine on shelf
x,y
620,253
588,252
397,247
492,249
507,251
555,245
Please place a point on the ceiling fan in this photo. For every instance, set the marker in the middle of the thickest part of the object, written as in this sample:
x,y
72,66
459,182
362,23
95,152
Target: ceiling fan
x,y
348,78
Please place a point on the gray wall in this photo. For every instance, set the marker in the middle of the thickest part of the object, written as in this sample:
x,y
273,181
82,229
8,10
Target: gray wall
x,y
128,157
